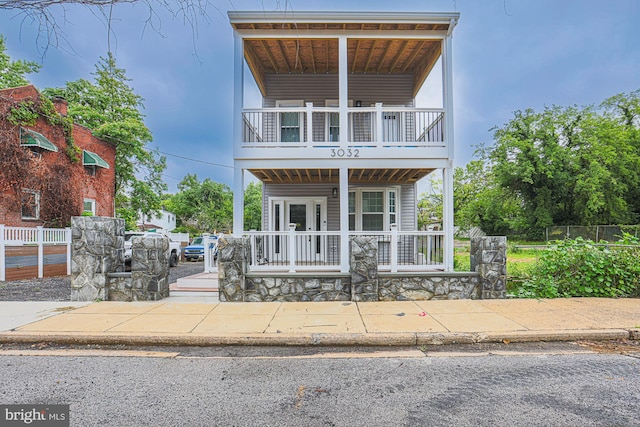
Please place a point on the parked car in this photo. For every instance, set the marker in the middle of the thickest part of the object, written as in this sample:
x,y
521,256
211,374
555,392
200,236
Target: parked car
x,y
195,251
174,257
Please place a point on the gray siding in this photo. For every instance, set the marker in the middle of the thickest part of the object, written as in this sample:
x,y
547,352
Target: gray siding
x,y
407,203
390,89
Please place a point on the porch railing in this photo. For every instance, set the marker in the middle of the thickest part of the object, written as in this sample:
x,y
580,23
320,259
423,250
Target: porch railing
x,y
320,250
294,250
320,127
408,250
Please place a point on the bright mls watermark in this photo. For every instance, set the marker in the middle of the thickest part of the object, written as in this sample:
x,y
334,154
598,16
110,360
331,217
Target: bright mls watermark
x,y
34,415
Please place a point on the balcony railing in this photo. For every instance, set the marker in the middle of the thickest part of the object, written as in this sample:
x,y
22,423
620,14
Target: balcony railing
x,y
320,126
320,250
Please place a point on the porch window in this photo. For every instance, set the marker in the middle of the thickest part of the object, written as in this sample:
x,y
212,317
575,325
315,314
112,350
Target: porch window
x,y
30,204
372,211
392,207
352,211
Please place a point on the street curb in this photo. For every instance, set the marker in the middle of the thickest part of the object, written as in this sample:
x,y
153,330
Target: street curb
x,y
400,339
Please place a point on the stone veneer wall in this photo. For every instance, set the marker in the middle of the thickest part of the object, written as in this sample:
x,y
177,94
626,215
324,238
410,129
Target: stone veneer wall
x,y
364,283
149,279
97,250
232,267
363,263
297,287
426,286
489,260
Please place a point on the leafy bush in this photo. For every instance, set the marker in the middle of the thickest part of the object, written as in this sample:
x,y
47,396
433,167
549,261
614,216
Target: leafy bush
x,y
581,268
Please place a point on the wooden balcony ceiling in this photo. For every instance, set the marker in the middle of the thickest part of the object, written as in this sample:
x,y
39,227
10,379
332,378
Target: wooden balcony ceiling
x,y
297,54
325,176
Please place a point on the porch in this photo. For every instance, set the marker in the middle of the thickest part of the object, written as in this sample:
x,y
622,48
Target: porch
x,y
320,251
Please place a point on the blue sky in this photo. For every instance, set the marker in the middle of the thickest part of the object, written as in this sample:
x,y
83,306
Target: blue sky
x,y
508,55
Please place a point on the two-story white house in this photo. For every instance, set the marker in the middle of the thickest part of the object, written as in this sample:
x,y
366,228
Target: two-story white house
x,y
340,143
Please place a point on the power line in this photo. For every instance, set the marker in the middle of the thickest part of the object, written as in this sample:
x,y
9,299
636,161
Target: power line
x,y
195,160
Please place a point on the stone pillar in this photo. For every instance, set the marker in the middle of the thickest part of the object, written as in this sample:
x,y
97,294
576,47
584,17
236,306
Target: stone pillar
x,y
149,267
97,249
364,268
489,259
232,263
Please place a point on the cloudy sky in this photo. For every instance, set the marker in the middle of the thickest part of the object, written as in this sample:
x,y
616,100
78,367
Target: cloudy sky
x,y
508,55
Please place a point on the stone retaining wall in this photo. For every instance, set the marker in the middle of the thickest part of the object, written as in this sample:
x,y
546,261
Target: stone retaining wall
x,y
298,287
364,282
98,252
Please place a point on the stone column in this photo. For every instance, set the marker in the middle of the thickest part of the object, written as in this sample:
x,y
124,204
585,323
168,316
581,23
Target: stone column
x,y
489,259
149,267
364,268
97,249
232,262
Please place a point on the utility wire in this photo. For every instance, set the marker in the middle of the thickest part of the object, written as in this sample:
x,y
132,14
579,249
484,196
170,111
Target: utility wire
x,y
119,141
195,160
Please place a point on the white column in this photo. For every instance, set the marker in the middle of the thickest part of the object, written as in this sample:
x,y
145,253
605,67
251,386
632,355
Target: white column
x,y
447,94
447,215
238,200
343,91
344,220
238,104
238,92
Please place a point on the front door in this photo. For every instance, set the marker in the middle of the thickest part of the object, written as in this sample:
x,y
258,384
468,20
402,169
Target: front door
x,y
308,215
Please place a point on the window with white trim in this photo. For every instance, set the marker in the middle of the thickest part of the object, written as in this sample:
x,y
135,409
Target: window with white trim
x,y
89,205
290,123
30,204
373,209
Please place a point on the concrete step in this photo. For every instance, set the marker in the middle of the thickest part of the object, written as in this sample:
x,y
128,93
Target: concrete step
x,y
205,295
198,281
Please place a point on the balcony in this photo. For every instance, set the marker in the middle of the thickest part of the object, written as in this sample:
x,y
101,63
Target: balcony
x,y
368,127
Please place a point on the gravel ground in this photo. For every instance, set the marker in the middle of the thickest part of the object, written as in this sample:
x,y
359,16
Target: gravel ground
x,y
59,288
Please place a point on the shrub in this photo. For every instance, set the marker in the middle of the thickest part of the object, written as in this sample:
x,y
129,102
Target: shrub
x,y
581,268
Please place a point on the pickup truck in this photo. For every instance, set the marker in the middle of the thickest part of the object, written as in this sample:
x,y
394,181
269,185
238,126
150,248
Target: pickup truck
x,y
175,247
195,251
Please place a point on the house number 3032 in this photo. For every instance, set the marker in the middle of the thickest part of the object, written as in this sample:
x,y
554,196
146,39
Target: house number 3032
x,y
340,152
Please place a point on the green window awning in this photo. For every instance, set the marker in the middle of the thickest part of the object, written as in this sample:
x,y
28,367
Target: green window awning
x,y
31,138
92,159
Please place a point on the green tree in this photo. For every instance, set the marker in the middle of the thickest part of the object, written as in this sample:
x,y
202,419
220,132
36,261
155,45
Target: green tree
x,y
202,207
253,206
568,165
112,110
12,73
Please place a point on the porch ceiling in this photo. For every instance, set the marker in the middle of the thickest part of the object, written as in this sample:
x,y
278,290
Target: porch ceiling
x,y
385,47
325,176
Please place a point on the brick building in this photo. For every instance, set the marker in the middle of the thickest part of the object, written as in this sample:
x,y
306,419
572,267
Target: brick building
x,y
45,177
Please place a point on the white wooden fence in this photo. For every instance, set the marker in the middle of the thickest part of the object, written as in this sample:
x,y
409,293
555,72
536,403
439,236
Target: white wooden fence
x,y
33,236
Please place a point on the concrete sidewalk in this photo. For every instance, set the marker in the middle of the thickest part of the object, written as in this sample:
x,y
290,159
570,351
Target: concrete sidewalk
x,y
198,321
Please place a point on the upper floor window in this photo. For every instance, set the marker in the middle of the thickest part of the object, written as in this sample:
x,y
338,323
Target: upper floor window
x,y
36,142
30,204
290,123
91,161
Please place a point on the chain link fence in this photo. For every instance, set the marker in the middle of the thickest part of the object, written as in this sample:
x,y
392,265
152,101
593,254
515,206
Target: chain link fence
x,y
608,233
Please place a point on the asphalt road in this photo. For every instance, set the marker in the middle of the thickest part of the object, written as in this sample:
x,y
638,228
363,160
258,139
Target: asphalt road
x,y
303,387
